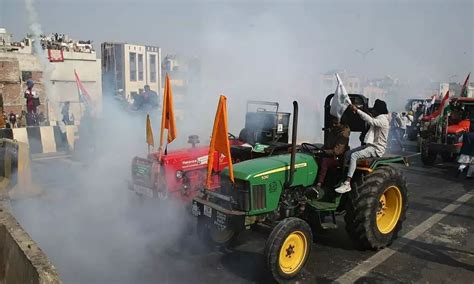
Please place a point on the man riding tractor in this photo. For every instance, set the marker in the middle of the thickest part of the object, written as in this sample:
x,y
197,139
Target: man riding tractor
x,y
272,191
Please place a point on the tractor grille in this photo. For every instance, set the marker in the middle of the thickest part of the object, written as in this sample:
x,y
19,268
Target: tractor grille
x,y
239,192
258,197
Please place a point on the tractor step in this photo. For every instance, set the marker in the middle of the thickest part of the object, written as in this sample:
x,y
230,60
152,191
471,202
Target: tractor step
x,y
323,205
328,226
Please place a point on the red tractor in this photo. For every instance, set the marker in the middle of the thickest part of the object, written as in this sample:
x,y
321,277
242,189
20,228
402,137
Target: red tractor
x,y
445,137
182,173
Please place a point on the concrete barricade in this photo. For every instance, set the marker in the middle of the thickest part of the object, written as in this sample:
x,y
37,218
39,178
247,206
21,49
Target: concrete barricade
x,y
47,139
21,260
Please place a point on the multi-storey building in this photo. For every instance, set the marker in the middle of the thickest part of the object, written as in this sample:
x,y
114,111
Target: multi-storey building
x,y
127,68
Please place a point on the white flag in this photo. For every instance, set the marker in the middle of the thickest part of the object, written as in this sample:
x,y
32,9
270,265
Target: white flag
x,y
341,99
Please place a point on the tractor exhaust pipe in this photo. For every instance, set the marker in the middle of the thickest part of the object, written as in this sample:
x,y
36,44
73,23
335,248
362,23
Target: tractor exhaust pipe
x,y
293,142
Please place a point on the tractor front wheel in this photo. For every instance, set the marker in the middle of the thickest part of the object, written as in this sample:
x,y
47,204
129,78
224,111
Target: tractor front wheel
x,y
376,208
213,236
288,247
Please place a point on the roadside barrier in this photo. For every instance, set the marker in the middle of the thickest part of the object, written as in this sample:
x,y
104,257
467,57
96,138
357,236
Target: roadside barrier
x,y
21,260
44,139
15,171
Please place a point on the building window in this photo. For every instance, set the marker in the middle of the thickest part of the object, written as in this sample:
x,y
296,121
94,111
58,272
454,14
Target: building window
x,y
133,66
153,68
140,67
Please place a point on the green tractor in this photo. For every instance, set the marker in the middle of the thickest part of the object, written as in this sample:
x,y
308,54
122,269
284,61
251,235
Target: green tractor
x,y
271,191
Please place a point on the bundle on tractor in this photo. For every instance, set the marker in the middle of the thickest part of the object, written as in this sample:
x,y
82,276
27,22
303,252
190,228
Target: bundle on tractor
x,y
272,191
441,134
181,173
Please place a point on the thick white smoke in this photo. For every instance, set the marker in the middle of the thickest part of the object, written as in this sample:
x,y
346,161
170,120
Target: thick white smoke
x,y
46,66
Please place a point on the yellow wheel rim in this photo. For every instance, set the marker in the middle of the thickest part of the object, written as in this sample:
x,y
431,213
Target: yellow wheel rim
x,y
293,252
390,207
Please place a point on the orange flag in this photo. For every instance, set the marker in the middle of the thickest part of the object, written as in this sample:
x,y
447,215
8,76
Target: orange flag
x,y
219,140
167,116
149,132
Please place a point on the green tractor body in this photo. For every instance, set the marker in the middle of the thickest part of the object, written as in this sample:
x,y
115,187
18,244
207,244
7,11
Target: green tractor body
x,y
273,191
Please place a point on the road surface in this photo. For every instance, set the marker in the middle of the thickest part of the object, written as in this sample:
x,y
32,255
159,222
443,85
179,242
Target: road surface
x,y
95,231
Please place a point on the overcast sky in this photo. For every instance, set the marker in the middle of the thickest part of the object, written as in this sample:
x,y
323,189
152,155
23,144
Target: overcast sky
x,y
408,37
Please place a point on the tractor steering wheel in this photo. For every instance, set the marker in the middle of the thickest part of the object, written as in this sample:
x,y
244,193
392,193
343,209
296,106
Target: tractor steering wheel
x,y
310,148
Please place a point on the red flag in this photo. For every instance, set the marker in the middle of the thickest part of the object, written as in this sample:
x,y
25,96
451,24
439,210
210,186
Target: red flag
x,y
83,94
219,140
440,109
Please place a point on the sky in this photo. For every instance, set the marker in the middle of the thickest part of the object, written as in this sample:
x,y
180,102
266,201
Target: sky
x,y
435,38
275,50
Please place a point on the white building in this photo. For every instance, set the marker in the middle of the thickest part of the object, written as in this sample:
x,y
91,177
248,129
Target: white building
x,y
127,68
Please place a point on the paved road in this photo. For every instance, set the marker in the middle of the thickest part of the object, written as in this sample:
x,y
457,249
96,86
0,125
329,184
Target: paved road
x,y
95,232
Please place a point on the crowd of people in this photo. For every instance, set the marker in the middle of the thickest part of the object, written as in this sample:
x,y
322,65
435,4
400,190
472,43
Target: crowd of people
x,y
13,120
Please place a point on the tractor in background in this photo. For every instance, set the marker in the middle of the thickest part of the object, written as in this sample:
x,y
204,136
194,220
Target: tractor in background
x,y
181,173
272,191
444,137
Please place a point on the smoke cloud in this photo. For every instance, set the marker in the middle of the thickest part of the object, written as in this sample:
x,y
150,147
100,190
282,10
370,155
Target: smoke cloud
x,y
46,66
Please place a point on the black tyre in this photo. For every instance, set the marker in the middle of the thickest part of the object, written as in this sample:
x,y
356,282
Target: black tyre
x,y
287,248
211,235
376,208
428,157
412,136
448,157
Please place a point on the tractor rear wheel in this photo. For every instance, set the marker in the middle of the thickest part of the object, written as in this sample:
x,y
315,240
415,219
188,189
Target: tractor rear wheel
x,y
448,157
287,248
376,208
428,157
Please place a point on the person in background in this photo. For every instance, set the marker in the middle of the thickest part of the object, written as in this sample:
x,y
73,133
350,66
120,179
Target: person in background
x,y
418,113
22,119
42,119
466,157
411,119
65,113
396,130
32,102
405,122
375,140
12,119
151,97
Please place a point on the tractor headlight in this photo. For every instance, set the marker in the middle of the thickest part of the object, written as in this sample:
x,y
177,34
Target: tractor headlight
x,y
179,174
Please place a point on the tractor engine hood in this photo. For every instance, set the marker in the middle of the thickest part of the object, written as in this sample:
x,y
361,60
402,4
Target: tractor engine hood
x,y
461,127
277,167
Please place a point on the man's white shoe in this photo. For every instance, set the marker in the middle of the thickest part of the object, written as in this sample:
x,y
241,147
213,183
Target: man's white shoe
x,y
344,187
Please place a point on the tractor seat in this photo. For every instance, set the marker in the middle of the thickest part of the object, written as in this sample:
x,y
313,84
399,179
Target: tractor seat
x,y
367,162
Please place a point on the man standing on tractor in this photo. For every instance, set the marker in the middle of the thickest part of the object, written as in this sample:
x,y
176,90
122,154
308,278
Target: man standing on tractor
x,y
337,143
375,140
32,102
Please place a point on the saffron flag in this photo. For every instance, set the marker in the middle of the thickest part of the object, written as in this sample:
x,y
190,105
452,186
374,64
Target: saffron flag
x,y
149,132
219,140
341,99
167,116
465,85
83,94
